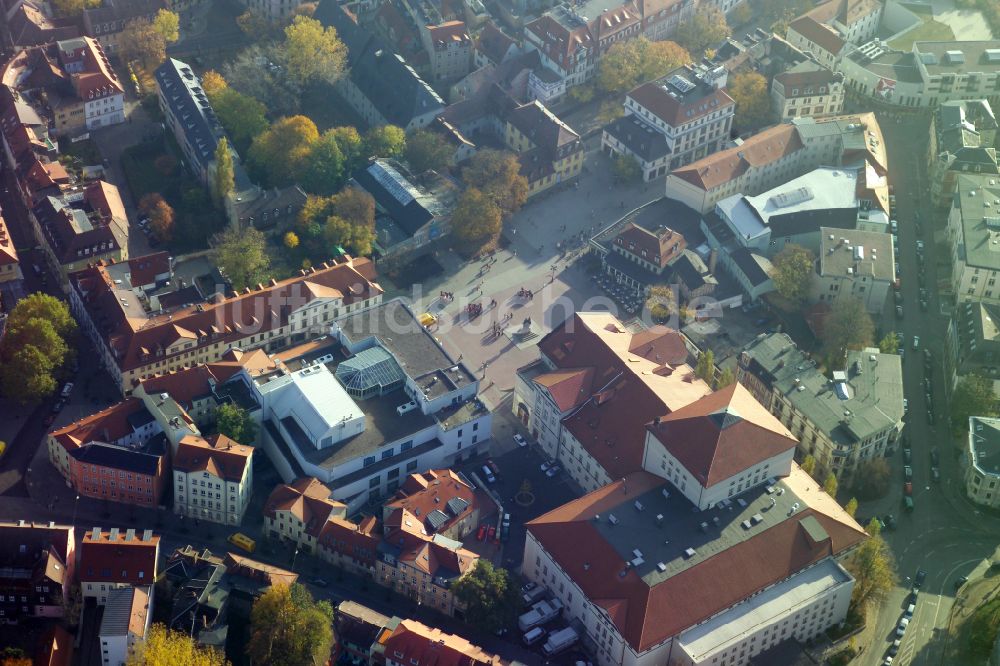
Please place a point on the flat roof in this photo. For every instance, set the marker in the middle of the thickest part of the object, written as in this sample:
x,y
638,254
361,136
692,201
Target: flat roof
x,y
666,527
821,189
872,402
785,598
971,56
397,329
978,198
859,253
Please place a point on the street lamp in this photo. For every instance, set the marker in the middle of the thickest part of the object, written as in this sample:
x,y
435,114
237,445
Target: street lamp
x,y
76,503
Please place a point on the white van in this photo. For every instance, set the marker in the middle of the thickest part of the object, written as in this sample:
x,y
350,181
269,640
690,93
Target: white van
x,y
488,474
534,636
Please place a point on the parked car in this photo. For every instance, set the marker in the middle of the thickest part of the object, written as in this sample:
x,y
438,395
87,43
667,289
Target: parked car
x,y
889,521
907,473
908,488
906,403
907,456
56,408
894,226
961,580
481,534
534,636
930,416
901,629
67,389
920,246
519,440
894,648
920,578
916,342
935,458
493,467
908,503
910,610
505,527
552,471
488,473
935,475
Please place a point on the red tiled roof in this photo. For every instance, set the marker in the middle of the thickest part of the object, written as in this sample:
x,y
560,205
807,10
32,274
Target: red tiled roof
x,y
568,387
675,112
98,78
818,34
118,560
108,425
135,342
237,565
660,343
722,434
40,176
558,43
218,455
661,247
449,31
425,492
646,615
429,646
143,270
762,148
308,500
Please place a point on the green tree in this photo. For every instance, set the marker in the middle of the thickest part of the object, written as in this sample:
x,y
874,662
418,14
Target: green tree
x,y
355,238
489,594
889,344
235,423
625,169
848,326
851,507
26,374
142,42
873,567
385,141
871,479
280,154
753,99
258,71
355,206
706,28
610,111
38,340
167,25
163,647
73,8
213,84
725,379
324,172
39,334
497,174
630,63
312,52
224,180
809,464
426,150
42,306
793,270
241,255
243,116
346,219
291,240
476,221
830,485
289,628
706,366
661,303
973,396
351,146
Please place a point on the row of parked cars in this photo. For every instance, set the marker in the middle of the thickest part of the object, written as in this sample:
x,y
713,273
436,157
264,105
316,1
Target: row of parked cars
x,y
542,611
904,621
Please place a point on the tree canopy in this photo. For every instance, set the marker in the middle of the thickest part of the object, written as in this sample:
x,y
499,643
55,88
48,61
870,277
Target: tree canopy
x,y
625,169
426,150
476,220
873,568
705,368
753,99
259,72
243,116
223,181
143,42
889,344
661,303
325,166
279,154
235,423
830,485
706,28
497,175
973,396
289,628
385,141
163,647
793,272
73,8
312,52
161,216
489,594
346,219
167,25
241,255
632,62
847,326
871,479
37,342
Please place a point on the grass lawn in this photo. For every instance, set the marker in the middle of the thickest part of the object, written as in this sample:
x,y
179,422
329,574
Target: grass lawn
x,y
929,31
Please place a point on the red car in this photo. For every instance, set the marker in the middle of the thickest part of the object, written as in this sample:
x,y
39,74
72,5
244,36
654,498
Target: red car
x,y
492,533
482,533
908,489
493,467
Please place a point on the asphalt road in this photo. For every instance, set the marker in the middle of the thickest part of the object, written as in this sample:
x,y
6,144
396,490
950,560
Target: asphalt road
x,y
944,536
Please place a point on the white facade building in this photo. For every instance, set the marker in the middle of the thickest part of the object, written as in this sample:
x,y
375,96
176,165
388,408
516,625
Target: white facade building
x,y
982,476
213,479
127,616
973,231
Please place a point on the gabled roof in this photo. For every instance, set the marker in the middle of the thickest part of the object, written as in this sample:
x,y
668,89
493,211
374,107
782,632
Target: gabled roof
x,y
722,434
817,33
759,150
568,387
493,43
218,455
108,425
118,556
659,247
308,500
675,110
427,646
430,501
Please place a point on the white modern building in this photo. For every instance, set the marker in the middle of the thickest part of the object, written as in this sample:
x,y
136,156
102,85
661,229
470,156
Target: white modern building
x,y
982,476
212,479
127,616
369,404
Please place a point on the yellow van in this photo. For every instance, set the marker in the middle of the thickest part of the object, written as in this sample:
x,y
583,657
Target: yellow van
x,y
243,541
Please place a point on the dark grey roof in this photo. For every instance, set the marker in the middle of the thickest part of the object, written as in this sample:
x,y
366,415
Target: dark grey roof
x,y
181,89
139,418
109,455
382,76
801,222
396,195
435,519
639,137
456,505
689,270
749,266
